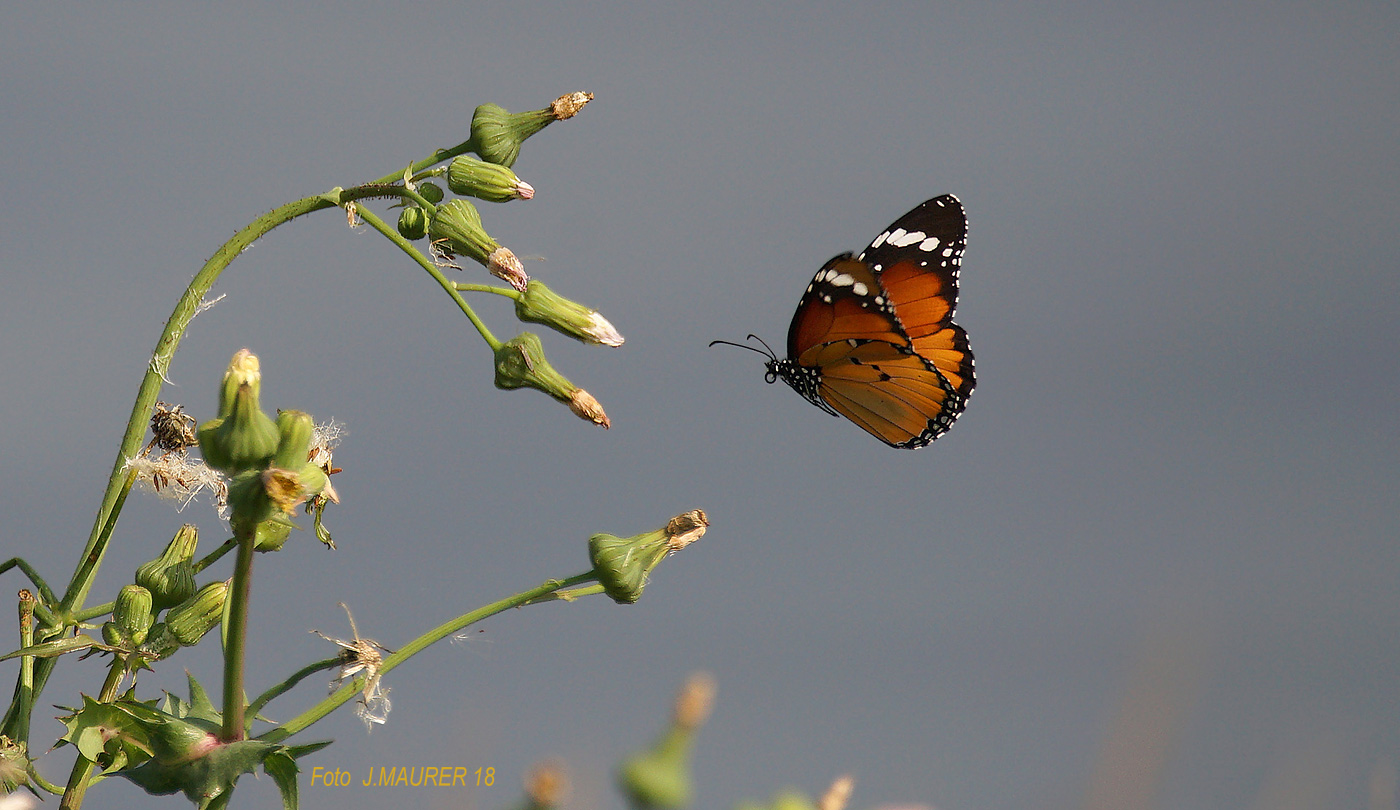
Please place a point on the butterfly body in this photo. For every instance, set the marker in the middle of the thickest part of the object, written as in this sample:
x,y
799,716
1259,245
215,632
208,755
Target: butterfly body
x,y
873,338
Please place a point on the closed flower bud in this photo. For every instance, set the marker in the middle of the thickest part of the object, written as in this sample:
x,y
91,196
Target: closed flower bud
x,y
294,430
520,363
432,192
539,304
131,617
170,577
658,778
487,181
271,535
413,223
243,436
456,229
191,619
497,133
622,564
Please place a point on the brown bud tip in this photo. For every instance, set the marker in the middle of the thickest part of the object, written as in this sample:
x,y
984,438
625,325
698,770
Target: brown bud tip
x,y
838,794
503,265
585,406
695,700
547,784
685,529
568,106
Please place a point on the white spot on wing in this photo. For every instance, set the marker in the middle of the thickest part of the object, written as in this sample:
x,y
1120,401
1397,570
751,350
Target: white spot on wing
x,y
902,238
859,288
929,244
842,280
879,240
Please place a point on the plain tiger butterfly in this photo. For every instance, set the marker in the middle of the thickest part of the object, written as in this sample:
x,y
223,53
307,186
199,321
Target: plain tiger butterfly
x,y
873,338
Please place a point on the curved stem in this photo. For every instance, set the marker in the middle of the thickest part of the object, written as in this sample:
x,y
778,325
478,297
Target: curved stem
x,y
277,690
45,595
392,234
346,693
156,370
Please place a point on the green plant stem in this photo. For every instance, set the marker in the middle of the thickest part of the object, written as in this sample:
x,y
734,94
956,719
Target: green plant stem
x,y
82,768
24,688
417,645
237,634
432,160
282,688
508,292
392,234
214,556
45,595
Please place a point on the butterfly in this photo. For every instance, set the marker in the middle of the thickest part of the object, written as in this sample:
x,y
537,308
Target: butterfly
x,y
873,338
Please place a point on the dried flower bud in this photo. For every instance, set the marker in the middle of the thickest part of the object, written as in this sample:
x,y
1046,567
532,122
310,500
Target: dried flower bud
x,y
658,778
567,106
539,304
838,794
504,265
170,577
622,564
586,407
486,181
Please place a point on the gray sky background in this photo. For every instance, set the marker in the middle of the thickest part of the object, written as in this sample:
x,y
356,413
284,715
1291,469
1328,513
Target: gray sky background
x,y
1180,460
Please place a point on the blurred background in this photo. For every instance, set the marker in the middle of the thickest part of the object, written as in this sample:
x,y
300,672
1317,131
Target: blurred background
x,y
1153,565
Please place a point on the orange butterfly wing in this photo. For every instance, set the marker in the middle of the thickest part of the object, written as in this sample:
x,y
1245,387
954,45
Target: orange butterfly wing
x,y
873,337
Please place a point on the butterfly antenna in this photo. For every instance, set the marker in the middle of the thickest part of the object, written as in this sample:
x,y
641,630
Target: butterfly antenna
x,y
769,354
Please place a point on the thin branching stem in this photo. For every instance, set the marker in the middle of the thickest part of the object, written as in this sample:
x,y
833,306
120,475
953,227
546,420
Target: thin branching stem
x,y
347,692
407,247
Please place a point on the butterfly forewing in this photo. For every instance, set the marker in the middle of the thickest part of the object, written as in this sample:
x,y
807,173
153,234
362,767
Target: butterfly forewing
x,y
873,338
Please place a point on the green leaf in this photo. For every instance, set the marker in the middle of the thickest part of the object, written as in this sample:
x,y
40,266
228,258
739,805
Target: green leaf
x,y
50,649
283,769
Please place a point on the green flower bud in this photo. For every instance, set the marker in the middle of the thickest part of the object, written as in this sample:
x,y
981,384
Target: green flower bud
x,y
432,192
131,617
456,226
272,534
294,430
191,619
658,778
487,181
520,363
248,502
622,564
498,134
243,436
539,304
456,230
413,223
170,577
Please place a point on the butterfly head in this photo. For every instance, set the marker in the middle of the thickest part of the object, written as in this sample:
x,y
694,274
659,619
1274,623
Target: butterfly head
x,y
776,367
